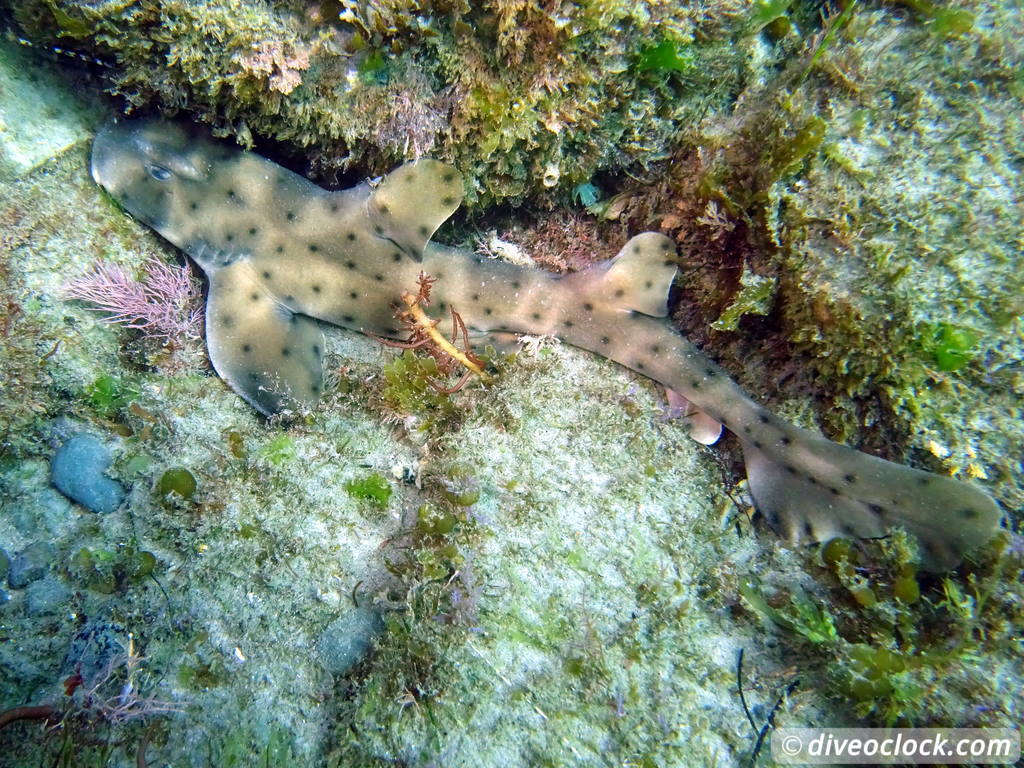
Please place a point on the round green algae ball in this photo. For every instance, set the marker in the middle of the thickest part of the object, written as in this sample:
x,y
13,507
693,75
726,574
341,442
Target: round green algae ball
x,y
178,480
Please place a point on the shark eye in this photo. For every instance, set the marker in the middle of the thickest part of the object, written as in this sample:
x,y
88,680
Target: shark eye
x,y
158,172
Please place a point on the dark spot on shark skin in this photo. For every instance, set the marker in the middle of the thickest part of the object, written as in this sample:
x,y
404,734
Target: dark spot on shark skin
x,y
266,275
877,509
666,246
791,469
379,278
253,230
316,288
290,215
475,297
333,207
746,429
285,352
384,209
254,296
655,349
350,264
639,366
535,315
620,293
448,200
313,247
516,285
649,284
923,481
694,384
247,348
316,350
230,236
812,480
588,307
569,324
808,529
279,249
637,249
193,206
605,340
353,295
314,389
764,418
833,491
396,256
227,321
425,231
351,237
378,229
785,440
968,514
448,177
348,318
847,529
851,479
757,444
289,298
488,311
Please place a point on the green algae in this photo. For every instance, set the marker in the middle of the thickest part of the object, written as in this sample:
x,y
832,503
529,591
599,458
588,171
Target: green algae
x,y
374,487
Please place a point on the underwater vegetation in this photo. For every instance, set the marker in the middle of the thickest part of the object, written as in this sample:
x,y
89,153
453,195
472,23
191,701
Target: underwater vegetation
x,y
524,99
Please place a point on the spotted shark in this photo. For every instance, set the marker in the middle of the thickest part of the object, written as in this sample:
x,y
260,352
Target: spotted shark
x,y
282,255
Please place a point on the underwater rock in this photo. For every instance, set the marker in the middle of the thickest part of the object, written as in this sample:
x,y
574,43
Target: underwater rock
x,y
45,596
77,472
347,639
30,564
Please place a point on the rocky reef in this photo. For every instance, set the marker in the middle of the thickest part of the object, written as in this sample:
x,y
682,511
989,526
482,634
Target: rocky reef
x,y
545,571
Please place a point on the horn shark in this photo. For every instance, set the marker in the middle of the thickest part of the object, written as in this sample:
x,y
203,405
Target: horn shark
x,y
281,254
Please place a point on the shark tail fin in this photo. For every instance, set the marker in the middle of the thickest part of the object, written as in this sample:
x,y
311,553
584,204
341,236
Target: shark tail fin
x,y
269,355
810,489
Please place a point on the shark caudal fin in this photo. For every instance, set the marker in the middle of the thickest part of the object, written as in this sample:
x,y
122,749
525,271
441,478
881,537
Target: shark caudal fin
x,y
810,489
412,201
269,355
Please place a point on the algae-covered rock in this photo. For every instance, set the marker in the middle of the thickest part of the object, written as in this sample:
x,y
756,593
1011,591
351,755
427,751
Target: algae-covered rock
x,y
525,99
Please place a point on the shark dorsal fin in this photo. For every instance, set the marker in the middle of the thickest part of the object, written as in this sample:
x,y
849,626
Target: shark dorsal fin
x,y
412,201
639,277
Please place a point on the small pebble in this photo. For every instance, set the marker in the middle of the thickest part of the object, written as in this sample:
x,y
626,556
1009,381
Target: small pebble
x,y
30,564
45,596
347,639
77,472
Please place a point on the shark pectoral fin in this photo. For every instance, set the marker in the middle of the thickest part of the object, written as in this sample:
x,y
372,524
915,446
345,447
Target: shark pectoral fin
x,y
269,355
413,201
640,276
817,490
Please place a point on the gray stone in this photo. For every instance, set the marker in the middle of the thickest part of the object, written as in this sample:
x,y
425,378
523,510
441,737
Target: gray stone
x,y
347,639
77,472
30,564
45,596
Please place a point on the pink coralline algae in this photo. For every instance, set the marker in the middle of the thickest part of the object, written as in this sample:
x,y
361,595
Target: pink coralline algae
x,y
164,305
